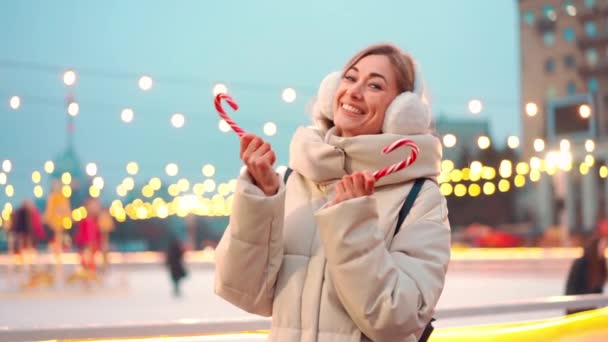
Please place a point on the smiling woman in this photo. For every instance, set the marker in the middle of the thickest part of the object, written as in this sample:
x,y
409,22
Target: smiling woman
x,y
330,252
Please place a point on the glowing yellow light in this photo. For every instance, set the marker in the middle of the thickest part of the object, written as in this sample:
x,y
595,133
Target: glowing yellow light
x,y
289,95
7,166
171,169
94,191
208,170
14,102
270,129
173,190
220,88
535,175
475,106
66,190
73,108
36,177
589,160
91,169
147,191
126,115
520,181
505,169
489,188
535,163
128,183
162,211
67,223
583,169
474,190
476,166
483,142
145,82
76,215
9,190
539,145
447,165
504,185
132,168
209,185
142,213
183,185
223,189
449,140
603,171
232,184
460,190
38,191
564,145
3,178
513,142
531,109
121,191
69,77
488,173
155,183
589,145
198,189
178,120
49,166
98,182
446,189
456,175
224,126
66,178
584,111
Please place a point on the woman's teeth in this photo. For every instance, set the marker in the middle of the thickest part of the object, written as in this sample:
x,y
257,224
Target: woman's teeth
x,y
351,109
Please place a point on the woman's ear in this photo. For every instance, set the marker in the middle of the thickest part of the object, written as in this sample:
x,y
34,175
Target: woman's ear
x,y
407,115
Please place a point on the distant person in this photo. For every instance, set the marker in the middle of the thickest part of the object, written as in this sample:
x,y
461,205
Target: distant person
x,y
175,262
588,273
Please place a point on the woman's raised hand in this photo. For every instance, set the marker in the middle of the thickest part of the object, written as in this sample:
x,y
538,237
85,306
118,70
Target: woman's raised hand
x,y
358,184
259,158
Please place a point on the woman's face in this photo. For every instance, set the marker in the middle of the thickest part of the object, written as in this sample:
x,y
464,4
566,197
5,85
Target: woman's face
x,y
364,94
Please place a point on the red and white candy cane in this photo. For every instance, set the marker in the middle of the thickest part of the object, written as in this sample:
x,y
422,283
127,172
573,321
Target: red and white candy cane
x,y
218,106
402,164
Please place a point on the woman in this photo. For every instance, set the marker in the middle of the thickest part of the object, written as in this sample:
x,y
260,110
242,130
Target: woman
x,y
174,259
588,273
318,252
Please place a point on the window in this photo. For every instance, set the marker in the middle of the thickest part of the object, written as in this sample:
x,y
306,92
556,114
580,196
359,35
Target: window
x,y
569,61
593,85
590,4
569,8
569,34
549,39
529,17
571,88
591,56
549,65
549,12
590,29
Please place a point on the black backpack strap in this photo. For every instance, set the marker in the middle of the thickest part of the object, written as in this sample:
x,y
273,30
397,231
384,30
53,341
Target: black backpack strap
x,y
287,174
428,330
409,202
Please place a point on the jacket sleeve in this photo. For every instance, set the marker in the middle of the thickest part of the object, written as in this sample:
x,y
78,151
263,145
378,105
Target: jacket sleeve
x,y
249,255
388,292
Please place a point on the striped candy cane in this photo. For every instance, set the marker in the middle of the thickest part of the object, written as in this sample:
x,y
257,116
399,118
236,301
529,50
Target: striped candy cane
x,y
218,106
402,164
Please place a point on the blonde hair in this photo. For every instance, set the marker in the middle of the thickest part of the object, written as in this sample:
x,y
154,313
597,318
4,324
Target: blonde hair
x,y
402,63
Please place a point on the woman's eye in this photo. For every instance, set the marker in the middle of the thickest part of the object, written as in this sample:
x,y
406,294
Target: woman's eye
x,y
375,86
349,78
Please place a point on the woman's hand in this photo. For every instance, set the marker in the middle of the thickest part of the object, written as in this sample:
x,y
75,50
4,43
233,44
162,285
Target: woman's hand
x,y
358,184
259,158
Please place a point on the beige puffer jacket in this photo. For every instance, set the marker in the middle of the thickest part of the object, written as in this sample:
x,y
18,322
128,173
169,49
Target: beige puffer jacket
x,y
335,273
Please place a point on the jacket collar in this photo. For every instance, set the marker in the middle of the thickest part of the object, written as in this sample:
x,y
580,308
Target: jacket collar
x,y
326,158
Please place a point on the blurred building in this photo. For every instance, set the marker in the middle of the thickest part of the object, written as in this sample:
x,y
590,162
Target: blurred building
x,y
564,83
464,134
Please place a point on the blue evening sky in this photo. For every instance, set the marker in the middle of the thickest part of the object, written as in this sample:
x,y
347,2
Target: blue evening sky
x,y
467,49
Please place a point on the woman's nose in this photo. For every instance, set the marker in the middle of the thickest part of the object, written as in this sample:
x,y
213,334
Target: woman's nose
x,y
355,90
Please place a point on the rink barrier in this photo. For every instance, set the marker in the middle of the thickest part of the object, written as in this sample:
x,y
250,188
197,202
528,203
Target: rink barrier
x,y
194,327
